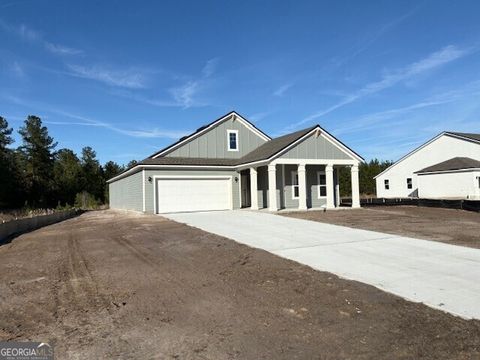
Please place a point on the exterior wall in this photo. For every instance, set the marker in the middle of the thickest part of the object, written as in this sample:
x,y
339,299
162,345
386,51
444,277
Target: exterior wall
x,y
262,186
453,185
150,196
287,189
442,149
214,144
315,147
127,193
312,187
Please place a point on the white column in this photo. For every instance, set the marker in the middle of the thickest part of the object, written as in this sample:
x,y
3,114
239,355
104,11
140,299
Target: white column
x,y
355,187
272,188
302,187
337,188
330,188
253,189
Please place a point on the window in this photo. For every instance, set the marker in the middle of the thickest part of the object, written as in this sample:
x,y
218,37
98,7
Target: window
x,y
232,139
322,184
478,178
295,187
409,183
387,184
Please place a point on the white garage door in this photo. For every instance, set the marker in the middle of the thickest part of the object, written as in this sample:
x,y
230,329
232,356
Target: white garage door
x,y
176,194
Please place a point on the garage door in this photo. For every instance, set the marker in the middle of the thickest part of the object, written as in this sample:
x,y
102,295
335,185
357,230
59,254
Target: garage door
x,y
193,194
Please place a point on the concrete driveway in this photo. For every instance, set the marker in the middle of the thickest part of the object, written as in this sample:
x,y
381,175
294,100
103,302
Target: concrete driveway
x,y
442,276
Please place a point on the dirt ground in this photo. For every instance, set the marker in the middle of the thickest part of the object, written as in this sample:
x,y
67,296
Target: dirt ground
x,y
111,285
446,225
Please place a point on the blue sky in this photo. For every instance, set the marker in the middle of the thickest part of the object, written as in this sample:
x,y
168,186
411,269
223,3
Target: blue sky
x,y
129,78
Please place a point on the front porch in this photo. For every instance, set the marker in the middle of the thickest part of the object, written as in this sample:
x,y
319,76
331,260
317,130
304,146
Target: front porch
x,y
299,184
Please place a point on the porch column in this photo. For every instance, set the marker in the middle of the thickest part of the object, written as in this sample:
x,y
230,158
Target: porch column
x,y
330,188
272,188
337,188
253,189
355,187
302,187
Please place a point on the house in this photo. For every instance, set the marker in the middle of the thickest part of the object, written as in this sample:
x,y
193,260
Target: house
x,y
231,164
446,166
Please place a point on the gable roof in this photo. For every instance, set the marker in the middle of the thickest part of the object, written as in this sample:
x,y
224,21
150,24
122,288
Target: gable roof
x,y
264,152
462,136
456,163
205,128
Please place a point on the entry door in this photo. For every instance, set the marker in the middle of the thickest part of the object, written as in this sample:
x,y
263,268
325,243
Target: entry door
x,y
246,198
181,194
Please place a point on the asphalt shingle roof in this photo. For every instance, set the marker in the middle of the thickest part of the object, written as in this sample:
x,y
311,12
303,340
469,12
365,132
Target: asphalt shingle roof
x,y
470,136
457,163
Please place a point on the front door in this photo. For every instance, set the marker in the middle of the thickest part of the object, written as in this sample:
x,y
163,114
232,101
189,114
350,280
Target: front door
x,y
245,189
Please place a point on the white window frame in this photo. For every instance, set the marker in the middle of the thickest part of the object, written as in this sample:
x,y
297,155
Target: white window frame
x,y
410,183
321,172
294,176
386,184
228,140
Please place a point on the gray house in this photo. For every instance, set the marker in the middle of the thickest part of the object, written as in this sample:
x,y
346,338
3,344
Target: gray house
x,y
231,164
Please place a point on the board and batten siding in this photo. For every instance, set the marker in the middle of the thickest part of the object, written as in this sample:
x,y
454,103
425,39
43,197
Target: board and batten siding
x,y
214,144
150,196
315,147
127,193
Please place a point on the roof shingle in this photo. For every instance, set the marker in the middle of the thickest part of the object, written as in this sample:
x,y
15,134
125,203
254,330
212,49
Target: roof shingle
x,y
457,163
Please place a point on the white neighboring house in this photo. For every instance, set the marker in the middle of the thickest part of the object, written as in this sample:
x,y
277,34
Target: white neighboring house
x,y
408,176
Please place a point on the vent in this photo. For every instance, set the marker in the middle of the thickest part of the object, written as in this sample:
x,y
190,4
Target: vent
x,y
183,138
201,128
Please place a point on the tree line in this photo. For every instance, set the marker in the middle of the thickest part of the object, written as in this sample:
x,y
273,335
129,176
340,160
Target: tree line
x,y
366,173
37,175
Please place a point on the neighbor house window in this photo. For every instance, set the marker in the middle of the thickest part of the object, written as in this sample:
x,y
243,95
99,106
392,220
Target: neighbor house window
x,y
387,184
295,187
409,183
322,184
232,138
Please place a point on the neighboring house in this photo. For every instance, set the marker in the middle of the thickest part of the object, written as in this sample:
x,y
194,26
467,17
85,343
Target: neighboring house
x,y
444,167
231,164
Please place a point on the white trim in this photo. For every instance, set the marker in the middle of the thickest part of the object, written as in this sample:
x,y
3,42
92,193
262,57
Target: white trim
x,y
447,171
293,175
315,162
236,116
321,172
143,191
159,177
229,131
282,198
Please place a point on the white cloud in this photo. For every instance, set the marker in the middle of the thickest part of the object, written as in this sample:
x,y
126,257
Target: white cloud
x,y
210,67
85,121
18,70
62,50
184,95
282,90
28,34
129,78
431,62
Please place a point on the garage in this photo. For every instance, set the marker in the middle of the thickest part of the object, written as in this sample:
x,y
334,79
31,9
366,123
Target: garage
x,y
193,193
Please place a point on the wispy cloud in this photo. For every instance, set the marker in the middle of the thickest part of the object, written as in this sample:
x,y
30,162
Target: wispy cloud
x,y
62,50
376,119
18,70
282,90
429,63
258,116
185,95
210,67
129,78
28,34
86,121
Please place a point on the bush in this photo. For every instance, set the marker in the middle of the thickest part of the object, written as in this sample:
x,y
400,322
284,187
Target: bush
x,y
86,201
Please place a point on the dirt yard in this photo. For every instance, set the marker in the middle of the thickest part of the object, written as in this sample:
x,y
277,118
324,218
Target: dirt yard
x,y
446,225
111,285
